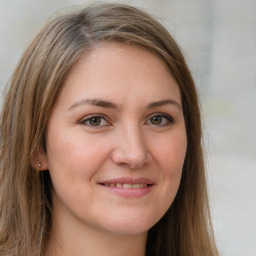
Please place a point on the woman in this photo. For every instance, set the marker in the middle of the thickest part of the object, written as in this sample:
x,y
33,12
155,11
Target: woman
x,y
101,142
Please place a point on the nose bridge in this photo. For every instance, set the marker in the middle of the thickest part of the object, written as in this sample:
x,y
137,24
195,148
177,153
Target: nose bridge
x,y
131,148
134,138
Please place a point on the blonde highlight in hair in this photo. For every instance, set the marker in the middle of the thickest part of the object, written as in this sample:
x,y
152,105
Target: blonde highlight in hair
x,y
25,194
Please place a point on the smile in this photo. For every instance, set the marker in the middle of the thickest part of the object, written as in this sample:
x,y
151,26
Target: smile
x,y
126,185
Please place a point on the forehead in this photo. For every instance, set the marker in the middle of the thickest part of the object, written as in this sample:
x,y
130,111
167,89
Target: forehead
x,y
120,69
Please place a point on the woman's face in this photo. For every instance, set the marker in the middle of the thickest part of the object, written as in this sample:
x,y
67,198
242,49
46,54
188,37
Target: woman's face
x,y
116,141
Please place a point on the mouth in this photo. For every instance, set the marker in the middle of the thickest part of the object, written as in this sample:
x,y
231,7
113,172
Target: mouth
x,y
128,187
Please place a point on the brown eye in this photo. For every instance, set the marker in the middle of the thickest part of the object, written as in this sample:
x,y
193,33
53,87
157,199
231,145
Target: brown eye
x,y
160,120
156,120
95,121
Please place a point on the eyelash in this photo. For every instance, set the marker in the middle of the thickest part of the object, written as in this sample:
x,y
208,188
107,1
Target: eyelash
x,y
168,119
89,119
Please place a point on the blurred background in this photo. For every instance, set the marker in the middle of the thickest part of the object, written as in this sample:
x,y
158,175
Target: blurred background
x,y
218,38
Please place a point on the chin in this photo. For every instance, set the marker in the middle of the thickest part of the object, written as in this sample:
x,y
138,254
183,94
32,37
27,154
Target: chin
x,y
131,225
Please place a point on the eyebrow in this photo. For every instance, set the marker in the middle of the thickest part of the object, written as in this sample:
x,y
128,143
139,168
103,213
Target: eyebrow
x,y
108,104
95,102
164,102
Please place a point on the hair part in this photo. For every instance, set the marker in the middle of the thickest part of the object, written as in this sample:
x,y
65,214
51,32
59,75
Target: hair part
x,y
25,194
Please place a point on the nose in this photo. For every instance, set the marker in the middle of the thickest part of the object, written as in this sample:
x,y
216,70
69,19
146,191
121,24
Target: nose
x,y
131,149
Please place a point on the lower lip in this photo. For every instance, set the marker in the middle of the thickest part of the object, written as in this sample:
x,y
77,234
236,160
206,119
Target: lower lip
x,y
129,192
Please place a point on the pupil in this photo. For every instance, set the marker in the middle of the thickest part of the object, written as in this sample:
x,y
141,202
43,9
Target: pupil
x,y
156,120
94,121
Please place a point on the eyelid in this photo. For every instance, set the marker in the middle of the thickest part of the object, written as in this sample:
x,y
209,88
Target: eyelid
x,y
88,117
167,116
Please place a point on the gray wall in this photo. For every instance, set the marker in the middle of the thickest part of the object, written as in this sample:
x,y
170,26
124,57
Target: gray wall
x,y
219,41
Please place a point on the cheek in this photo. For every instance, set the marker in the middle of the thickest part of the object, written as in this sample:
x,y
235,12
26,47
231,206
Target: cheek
x,y
73,161
73,156
171,156
172,152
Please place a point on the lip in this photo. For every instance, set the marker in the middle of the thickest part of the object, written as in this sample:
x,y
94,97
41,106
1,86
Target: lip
x,y
128,192
128,180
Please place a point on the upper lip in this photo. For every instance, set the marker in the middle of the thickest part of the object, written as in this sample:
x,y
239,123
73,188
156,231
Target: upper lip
x,y
128,180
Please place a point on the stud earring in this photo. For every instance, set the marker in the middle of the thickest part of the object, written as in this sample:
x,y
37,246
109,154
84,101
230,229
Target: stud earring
x,y
39,165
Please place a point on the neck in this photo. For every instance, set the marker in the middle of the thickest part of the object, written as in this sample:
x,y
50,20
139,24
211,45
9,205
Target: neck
x,y
80,240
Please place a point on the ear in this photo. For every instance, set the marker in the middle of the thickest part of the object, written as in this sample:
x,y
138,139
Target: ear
x,y
39,160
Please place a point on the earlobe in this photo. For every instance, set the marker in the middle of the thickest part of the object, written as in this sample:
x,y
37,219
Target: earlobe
x,y
42,166
39,160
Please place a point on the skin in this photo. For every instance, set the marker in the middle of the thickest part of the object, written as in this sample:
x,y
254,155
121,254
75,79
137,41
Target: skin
x,y
128,136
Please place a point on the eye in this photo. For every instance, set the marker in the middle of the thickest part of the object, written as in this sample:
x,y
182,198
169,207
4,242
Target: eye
x,y
160,120
95,121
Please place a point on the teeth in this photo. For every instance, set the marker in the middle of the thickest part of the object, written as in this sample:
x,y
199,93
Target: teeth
x,y
136,185
126,185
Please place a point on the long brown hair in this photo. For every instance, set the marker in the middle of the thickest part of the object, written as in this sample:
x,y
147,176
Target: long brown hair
x,y
25,194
